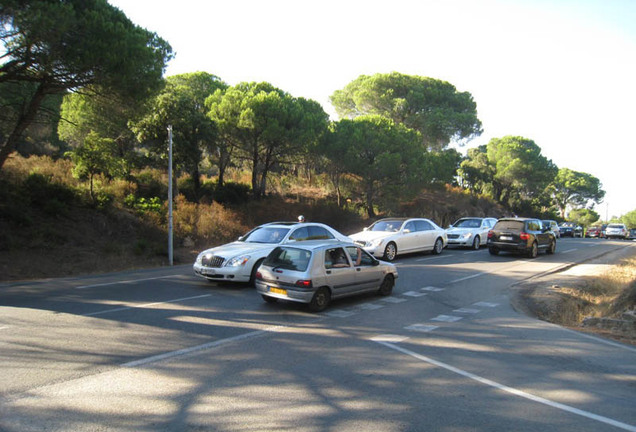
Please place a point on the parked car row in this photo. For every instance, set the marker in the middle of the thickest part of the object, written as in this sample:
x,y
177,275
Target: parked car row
x,y
312,263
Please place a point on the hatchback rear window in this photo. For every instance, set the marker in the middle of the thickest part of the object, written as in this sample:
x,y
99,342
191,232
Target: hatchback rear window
x,y
288,258
509,225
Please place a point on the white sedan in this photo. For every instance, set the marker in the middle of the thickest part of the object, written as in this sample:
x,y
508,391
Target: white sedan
x,y
390,237
470,231
238,261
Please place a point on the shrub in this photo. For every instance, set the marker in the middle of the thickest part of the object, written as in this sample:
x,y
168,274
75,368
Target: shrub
x,y
52,198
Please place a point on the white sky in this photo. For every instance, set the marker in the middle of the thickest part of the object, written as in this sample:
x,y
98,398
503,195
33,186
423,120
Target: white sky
x,y
559,72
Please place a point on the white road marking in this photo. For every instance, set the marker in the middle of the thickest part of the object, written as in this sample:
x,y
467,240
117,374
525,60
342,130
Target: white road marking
x,y
339,313
393,299
124,282
446,318
432,289
468,277
371,306
486,304
209,345
467,310
569,250
414,294
429,259
510,390
425,328
144,305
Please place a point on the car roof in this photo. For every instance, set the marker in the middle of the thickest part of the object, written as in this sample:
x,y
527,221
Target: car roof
x,y
520,219
317,244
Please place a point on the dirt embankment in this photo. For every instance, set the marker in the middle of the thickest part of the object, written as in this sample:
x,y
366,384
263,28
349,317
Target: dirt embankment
x,y
598,296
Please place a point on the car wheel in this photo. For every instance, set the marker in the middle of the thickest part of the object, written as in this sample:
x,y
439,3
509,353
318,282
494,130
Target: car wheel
x,y
390,252
320,300
438,247
254,270
552,247
493,251
387,285
476,243
534,250
269,299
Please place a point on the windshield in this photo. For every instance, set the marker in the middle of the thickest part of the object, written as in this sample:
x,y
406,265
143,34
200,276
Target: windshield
x,y
265,235
387,225
467,223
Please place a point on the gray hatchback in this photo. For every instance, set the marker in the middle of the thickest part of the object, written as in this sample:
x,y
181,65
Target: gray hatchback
x,y
315,272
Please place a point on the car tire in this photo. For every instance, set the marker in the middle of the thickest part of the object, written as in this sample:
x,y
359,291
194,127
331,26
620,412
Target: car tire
x,y
476,243
269,299
438,247
493,251
534,250
320,300
386,288
390,252
253,272
552,248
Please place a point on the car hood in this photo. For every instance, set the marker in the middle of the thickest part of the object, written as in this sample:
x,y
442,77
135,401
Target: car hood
x,y
371,235
240,248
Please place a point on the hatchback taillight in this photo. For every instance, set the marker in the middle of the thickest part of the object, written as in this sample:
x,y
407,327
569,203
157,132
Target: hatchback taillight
x,y
259,275
524,236
304,283
490,234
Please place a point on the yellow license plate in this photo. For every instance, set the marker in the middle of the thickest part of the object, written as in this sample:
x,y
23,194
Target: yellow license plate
x,y
277,291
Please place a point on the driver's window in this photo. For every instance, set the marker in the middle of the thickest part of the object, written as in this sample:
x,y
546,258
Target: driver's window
x,y
359,257
409,227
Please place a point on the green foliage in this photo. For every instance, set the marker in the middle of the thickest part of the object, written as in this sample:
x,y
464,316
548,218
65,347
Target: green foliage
x,y
575,189
511,170
52,198
383,155
583,217
181,105
629,219
265,126
434,108
144,205
42,47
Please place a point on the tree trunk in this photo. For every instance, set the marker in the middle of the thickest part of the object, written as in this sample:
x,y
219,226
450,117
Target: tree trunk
x,y
25,119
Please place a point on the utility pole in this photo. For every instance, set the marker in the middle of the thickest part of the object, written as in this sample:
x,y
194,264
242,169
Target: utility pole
x,y
170,195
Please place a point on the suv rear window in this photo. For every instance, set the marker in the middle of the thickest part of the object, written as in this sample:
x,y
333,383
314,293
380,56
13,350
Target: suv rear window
x,y
509,225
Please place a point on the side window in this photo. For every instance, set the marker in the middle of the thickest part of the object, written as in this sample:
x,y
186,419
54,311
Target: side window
x,y
410,227
359,257
335,258
424,226
300,234
318,233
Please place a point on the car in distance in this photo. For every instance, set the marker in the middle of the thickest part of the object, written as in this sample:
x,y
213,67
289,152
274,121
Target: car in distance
x,y
617,231
521,235
316,272
553,225
470,231
594,232
632,234
390,237
238,261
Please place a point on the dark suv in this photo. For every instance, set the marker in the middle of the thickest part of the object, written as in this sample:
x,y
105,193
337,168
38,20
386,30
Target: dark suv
x,y
523,235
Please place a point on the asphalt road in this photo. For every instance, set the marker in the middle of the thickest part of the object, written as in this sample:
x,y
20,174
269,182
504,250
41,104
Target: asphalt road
x,y
162,350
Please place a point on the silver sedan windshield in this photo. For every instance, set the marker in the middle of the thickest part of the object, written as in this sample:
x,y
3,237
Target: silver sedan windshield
x,y
266,235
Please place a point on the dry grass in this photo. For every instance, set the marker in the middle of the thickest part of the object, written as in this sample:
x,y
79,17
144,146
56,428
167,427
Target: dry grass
x,y
607,295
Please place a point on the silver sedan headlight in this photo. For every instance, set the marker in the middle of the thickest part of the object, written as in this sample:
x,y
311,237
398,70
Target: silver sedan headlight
x,y
467,235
